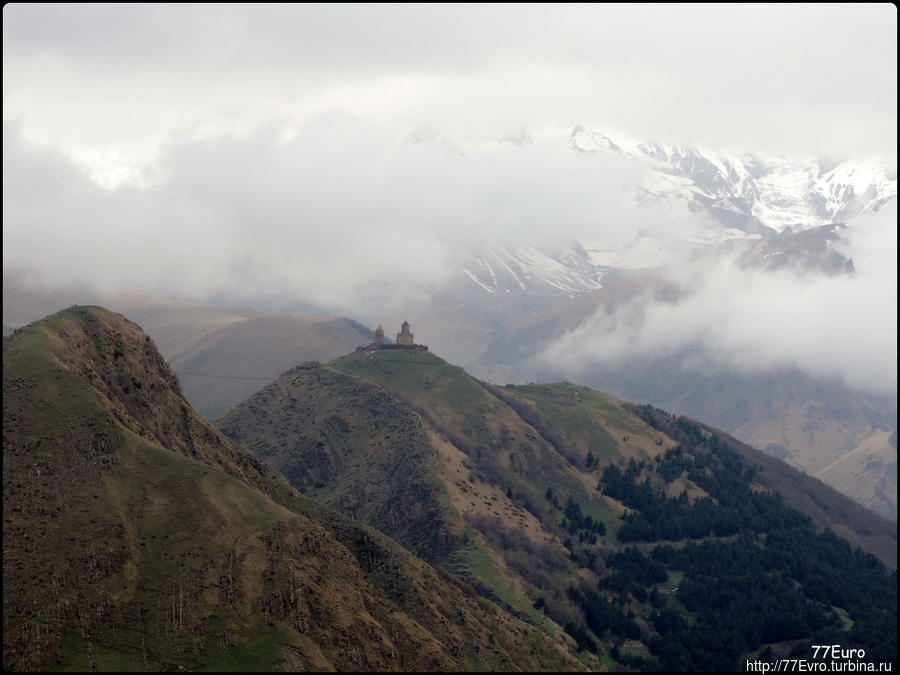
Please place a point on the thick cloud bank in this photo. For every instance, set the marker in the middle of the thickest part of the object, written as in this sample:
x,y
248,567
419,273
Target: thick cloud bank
x,y
752,319
338,216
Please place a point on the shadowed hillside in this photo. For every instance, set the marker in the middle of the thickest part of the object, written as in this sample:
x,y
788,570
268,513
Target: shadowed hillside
x,y
345,441
136,537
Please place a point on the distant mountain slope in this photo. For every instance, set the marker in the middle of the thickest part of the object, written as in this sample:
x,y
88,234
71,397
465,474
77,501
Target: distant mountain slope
x,y
875,455
224,367
176,326
136,537
509,488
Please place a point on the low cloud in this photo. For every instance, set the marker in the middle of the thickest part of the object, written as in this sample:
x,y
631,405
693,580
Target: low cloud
x,y
337,215
751,319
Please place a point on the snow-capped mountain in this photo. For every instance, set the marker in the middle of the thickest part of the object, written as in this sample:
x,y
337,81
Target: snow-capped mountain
x,y
698,199
749,193
520,267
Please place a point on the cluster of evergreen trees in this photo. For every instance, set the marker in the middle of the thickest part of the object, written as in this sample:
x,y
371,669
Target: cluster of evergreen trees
x,y
575,521
732,504
773,580
604,617
634,571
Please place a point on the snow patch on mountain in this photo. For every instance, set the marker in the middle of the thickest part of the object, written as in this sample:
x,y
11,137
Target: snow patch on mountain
x,y
642,252
523,268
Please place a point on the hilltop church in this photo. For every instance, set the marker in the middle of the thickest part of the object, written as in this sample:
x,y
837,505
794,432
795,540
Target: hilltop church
x,y
404,340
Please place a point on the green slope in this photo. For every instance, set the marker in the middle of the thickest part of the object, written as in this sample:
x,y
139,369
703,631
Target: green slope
x,y
136,537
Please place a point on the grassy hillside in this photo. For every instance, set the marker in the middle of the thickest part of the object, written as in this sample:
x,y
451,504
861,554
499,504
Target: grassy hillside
x,y
502,444
136,537
536,526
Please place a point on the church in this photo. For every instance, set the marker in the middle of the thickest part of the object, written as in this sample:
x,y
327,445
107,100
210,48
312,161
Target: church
x,y
404,337
405,340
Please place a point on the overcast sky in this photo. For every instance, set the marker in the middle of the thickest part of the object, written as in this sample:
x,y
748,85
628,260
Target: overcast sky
x,y
111,83
228,148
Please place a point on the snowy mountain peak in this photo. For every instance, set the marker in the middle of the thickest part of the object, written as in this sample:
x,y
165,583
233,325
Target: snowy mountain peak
x,y
584,141
746,192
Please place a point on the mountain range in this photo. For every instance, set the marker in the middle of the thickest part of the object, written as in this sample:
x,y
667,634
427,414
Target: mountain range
x,y
512,301
388,511
685,199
